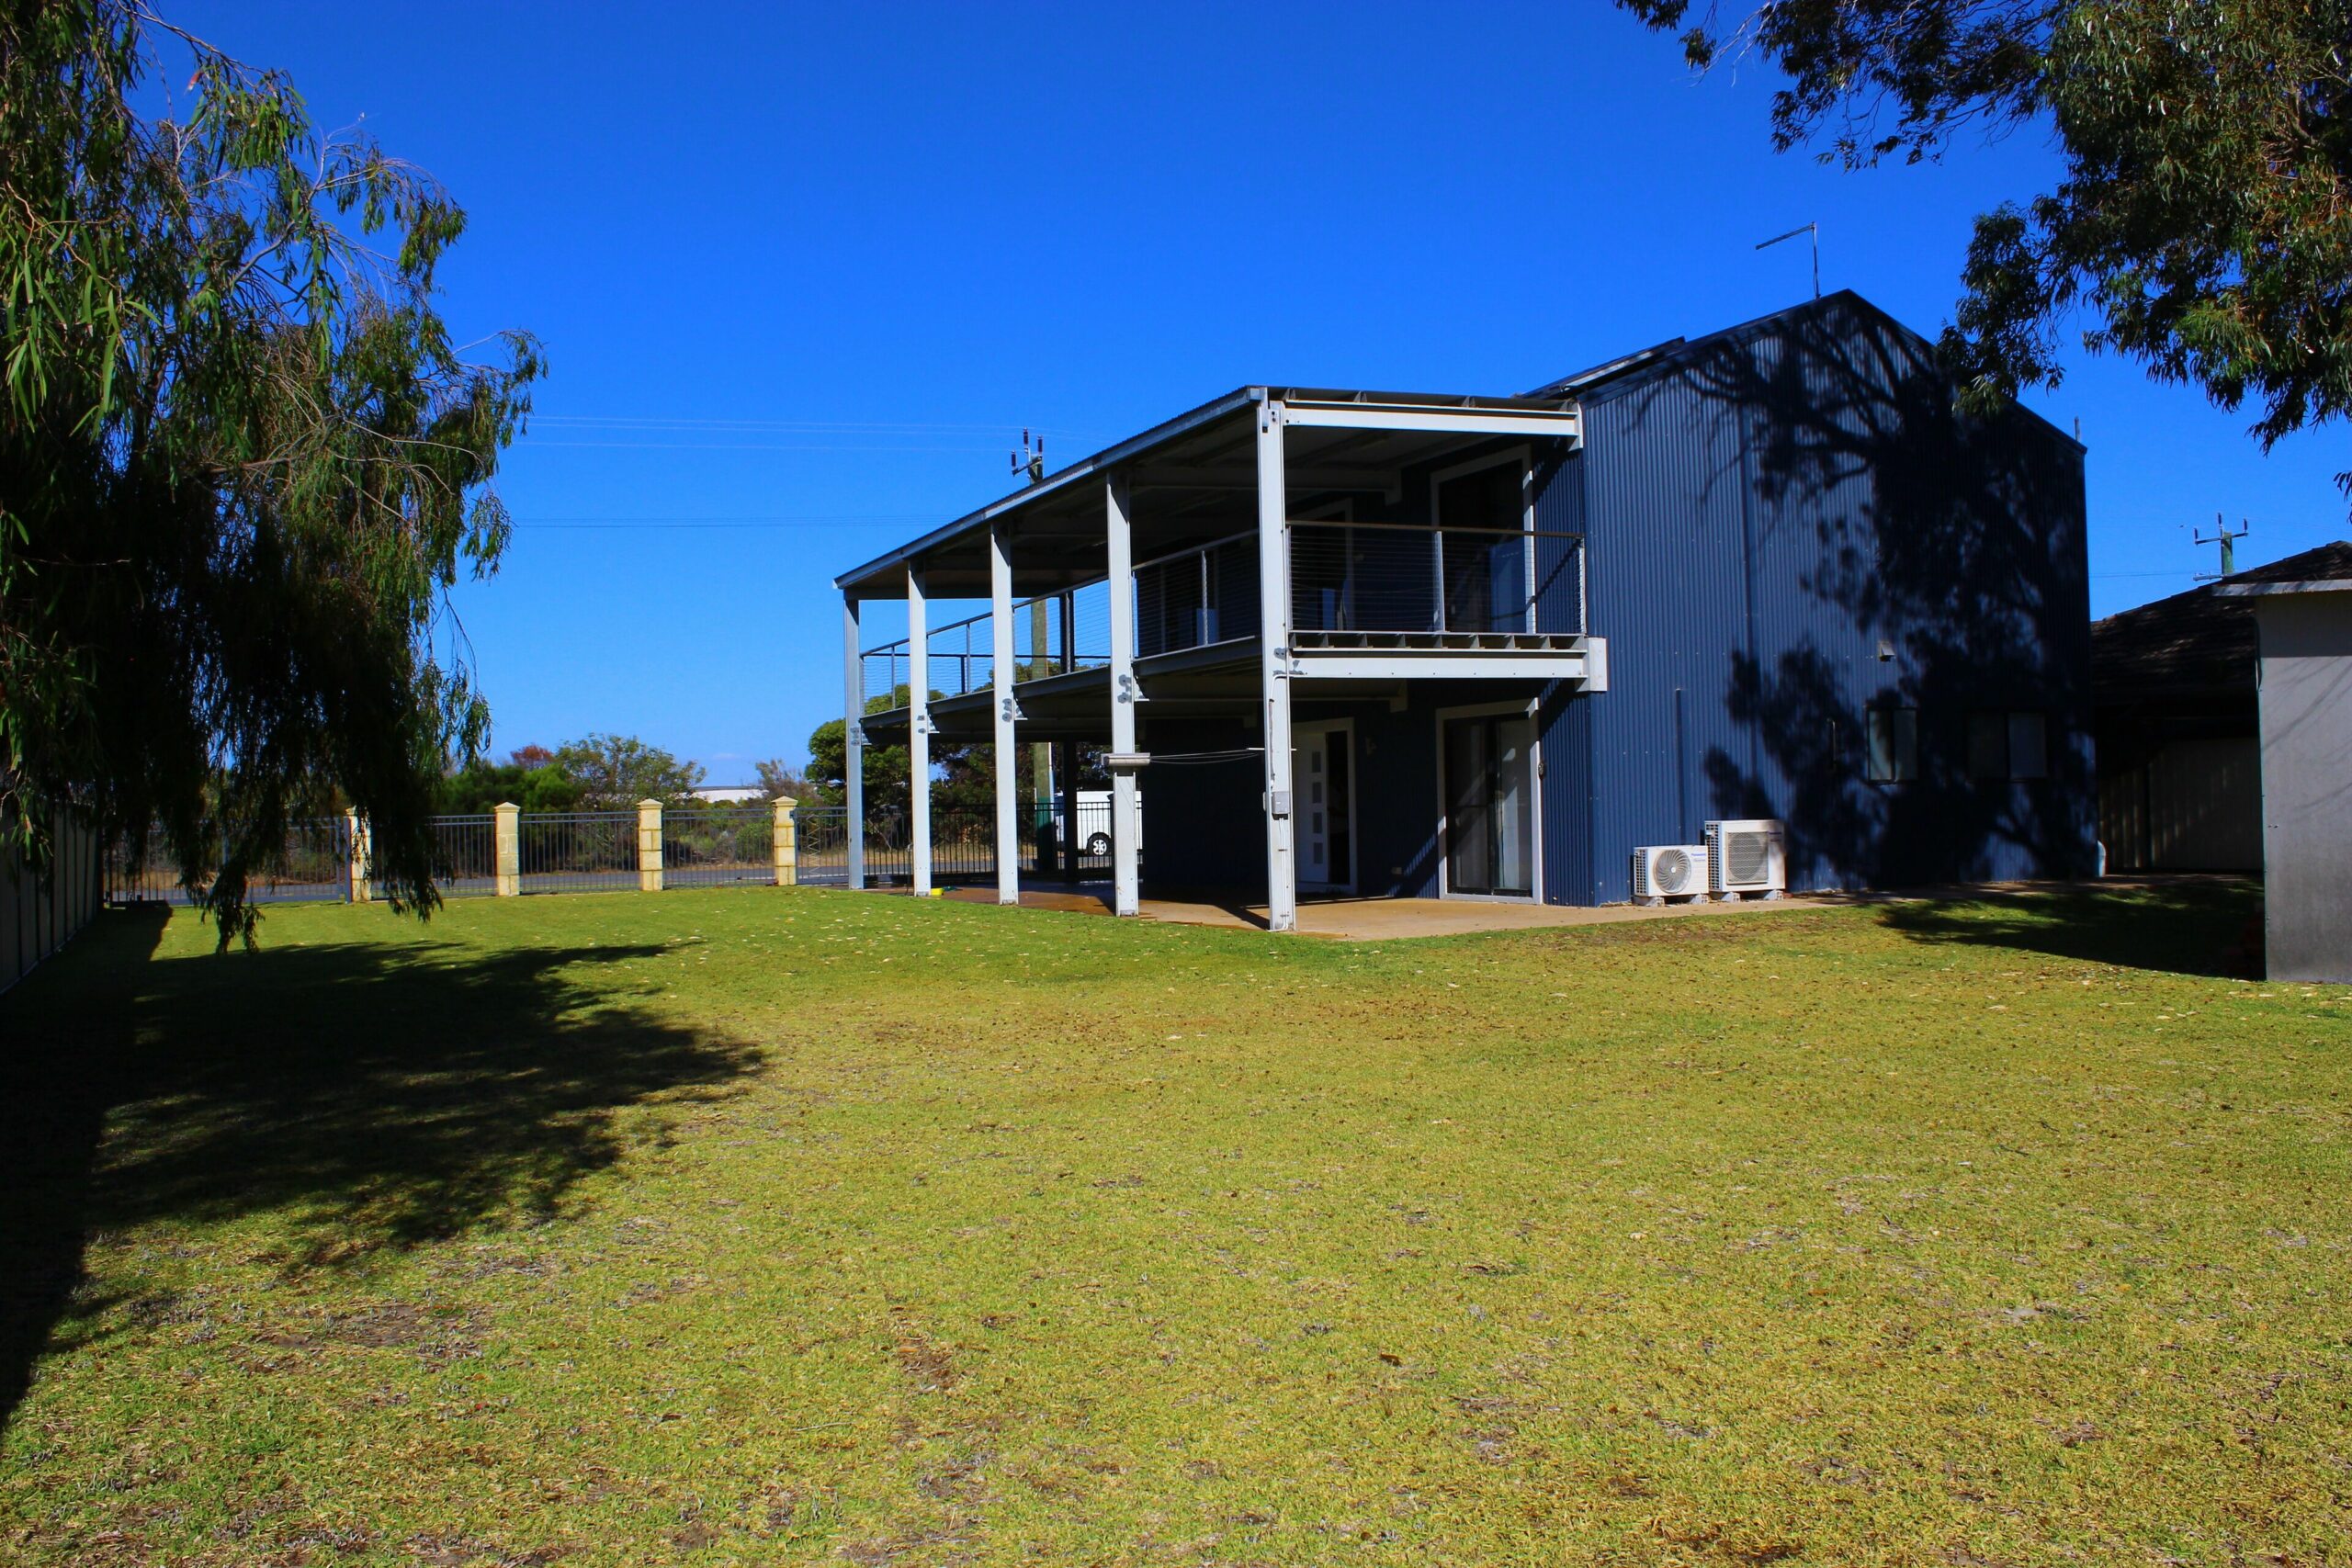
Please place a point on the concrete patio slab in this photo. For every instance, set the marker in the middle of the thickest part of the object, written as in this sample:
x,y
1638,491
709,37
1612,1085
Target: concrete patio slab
x,y
1375,920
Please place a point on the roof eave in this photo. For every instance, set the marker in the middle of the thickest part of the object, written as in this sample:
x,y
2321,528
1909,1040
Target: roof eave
x,y
1134,447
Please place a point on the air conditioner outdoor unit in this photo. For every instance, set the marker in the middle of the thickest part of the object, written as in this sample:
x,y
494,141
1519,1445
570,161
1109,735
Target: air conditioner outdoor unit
x,y
1669,870
1748,856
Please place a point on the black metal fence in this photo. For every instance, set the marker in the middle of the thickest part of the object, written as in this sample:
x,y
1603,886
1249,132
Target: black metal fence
x,y
600,852
314,867
709,849
465,856
577,851
963,845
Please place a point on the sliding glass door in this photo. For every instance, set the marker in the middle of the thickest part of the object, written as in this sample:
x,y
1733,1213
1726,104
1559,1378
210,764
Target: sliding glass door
x,y
1490,806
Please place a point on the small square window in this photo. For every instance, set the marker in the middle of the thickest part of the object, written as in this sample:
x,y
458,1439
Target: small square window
x,y
1892,745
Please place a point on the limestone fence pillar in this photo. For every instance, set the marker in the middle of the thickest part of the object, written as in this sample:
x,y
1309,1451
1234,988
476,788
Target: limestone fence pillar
x,y
648,846
787,847
356,838
508,817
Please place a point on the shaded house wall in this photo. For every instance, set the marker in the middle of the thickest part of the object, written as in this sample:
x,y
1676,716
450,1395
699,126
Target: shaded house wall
x,y
1766,508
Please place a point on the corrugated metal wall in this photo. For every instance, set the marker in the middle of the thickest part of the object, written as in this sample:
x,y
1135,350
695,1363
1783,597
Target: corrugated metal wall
x,y
1763,515
42,911
2195,804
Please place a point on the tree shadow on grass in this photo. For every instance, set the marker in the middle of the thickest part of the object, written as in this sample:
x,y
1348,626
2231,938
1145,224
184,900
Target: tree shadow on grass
x,y
2201,926
370,1094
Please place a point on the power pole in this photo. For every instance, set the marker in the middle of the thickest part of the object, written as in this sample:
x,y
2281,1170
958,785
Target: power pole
x,y
2228,541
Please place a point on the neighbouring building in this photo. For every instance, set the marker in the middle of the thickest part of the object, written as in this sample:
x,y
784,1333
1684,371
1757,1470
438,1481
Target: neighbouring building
x,y
1410,645
2304,632
2174,684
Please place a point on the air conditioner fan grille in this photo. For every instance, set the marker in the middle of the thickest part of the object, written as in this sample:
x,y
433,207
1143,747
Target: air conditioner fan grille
x,y
1748,856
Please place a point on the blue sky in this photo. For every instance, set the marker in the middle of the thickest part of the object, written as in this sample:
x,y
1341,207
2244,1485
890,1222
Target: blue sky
x,y
805,273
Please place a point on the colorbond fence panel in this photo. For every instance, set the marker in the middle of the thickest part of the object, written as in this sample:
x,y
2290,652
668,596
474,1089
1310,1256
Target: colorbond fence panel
x,y
42,909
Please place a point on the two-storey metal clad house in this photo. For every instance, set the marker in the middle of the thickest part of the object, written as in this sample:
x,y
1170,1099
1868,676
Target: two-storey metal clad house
x,y
1424,645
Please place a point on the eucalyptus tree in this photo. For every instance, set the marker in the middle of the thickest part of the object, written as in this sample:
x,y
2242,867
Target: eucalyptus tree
x,y
2202,220
242,462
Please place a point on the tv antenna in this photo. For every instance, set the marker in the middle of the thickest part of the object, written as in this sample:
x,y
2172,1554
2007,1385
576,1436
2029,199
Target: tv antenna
x,y
2228,541
1031,458
1814,229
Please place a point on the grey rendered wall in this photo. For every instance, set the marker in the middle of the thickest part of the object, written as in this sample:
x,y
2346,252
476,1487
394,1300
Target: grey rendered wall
x,y
2307,784
1769,513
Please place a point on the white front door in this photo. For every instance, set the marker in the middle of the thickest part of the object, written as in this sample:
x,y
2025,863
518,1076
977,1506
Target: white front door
x,y
1322,771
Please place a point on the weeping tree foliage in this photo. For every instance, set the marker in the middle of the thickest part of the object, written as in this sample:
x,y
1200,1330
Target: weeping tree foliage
x,y
2203,224
242,463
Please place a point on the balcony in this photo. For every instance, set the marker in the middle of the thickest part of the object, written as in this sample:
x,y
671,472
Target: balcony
x,y
1354,586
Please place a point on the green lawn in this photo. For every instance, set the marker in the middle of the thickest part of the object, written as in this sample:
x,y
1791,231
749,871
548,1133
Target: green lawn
x,y
784,1226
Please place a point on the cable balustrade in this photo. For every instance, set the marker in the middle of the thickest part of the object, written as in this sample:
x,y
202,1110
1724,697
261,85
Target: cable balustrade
x,y
962,655
1357,584
1352,584
1197,598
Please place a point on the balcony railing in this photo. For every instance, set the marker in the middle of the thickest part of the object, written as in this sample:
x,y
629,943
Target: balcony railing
x,y
1352,584
1051,636
1198,597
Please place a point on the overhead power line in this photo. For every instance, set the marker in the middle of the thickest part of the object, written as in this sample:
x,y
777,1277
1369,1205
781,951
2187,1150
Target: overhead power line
x,y
871,520
534,443
691,421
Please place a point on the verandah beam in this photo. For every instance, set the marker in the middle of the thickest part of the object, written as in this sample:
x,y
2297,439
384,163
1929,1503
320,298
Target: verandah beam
x,y
852,746
1274,612
1125,893
1007,752
918,735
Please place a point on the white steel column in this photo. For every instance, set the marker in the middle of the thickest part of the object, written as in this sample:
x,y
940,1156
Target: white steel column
x,y
918,735
1125,898
853,745
1007,755
1273,644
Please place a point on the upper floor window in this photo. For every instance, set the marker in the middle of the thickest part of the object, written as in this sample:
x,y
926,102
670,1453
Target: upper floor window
x,y
1890,752
2008,746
